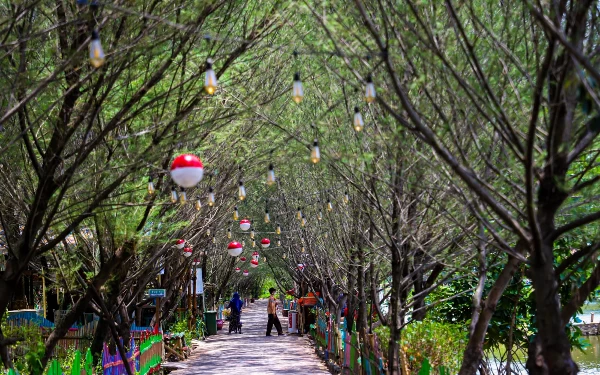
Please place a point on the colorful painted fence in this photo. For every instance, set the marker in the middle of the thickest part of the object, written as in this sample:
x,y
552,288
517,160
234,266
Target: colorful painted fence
x,y
75,368
143,359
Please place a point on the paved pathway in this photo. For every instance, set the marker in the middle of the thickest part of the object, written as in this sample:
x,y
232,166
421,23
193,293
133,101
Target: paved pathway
x,y
252,352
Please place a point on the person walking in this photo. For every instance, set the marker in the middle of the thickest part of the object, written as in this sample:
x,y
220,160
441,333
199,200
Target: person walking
x,y
272,311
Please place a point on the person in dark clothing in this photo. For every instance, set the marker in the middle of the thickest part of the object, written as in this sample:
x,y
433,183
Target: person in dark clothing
x,y
236,303
235,306
272,311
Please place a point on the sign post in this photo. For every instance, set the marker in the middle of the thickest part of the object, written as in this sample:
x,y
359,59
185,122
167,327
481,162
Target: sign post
x,y
157,294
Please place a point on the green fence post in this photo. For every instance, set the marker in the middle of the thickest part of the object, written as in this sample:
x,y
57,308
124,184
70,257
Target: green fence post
x,y
76,366
54,368
89,362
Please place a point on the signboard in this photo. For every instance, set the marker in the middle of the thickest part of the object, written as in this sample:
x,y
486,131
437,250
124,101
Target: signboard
x,y
157,293
199,283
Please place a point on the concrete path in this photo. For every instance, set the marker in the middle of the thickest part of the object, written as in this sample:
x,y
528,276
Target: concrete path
x,y
252,352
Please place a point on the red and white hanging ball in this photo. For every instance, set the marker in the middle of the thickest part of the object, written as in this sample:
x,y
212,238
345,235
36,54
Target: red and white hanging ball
x,y
245,272
265,242
242,259
255,255
180,244
187,170
187,252
237,269
301,267
196,262
235,248
245,224
254,263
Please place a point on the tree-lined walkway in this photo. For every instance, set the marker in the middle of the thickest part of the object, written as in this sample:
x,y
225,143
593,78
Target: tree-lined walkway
x,y
252,352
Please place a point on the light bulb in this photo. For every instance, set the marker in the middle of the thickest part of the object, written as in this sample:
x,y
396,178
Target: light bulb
x,y
151,190
326,235
278,229
315,153
284,256
320,215
210,79
370,90
267,217
229,233
253,243
303,250
299,214
358,120
96,51
207,232
278,243
173,195
214,240
297,90
346,198
303,223
329,205
242,191
270,175
198,205
243,243
182,196
236,215
252,234
211,197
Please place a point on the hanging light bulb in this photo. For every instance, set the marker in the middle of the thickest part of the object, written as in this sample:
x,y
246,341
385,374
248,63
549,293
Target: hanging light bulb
x,y
236,214
297,89
210,78
207,232
271,175
329,205
229,233
198,205
96,51
278,229
326,235
284,256
320,215
346,198
243,243
358,120
242,191
299,214
370,90
315,153
211,197
278,242
303,222
252,234
151,190
173,195
214,240
267,217
303,249
182,196
253,243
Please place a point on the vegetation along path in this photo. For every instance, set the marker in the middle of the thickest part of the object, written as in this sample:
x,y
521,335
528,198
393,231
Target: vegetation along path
x,y
252,352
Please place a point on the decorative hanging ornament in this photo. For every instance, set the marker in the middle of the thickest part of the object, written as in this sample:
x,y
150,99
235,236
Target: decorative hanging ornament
x,y
173,195
300,267
370,93
182,196
187,252
235,248
242,259
252,234
346,198
278,243
237,269
151,190
228,233
265,242
358,120
329,205
320,215
255,255
211,197
236,214
271,175
315,153
253,243
180,244
214,239
245,273
198,205
187,170
254,263
299,214
242,191
207,232
278,229
303,222
245,224
210,78
196,262
267,217
96,52
303,249
297,89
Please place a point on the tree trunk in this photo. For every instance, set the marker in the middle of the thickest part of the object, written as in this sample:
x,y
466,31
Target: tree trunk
x,y
7,288
395,318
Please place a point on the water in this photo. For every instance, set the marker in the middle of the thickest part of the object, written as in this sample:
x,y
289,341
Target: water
x,y
589,361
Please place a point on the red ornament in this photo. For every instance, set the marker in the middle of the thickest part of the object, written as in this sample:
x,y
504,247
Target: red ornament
x,y
187,170
301,267
235,248
180,244
237,269
187,252
242,259
265,243
254,263
245,272
255,256
245,224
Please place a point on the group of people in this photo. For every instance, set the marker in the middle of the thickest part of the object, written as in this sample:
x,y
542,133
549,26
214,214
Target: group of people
x,y
236,304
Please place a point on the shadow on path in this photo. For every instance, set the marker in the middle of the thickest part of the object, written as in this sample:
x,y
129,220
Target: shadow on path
x,y
252,352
